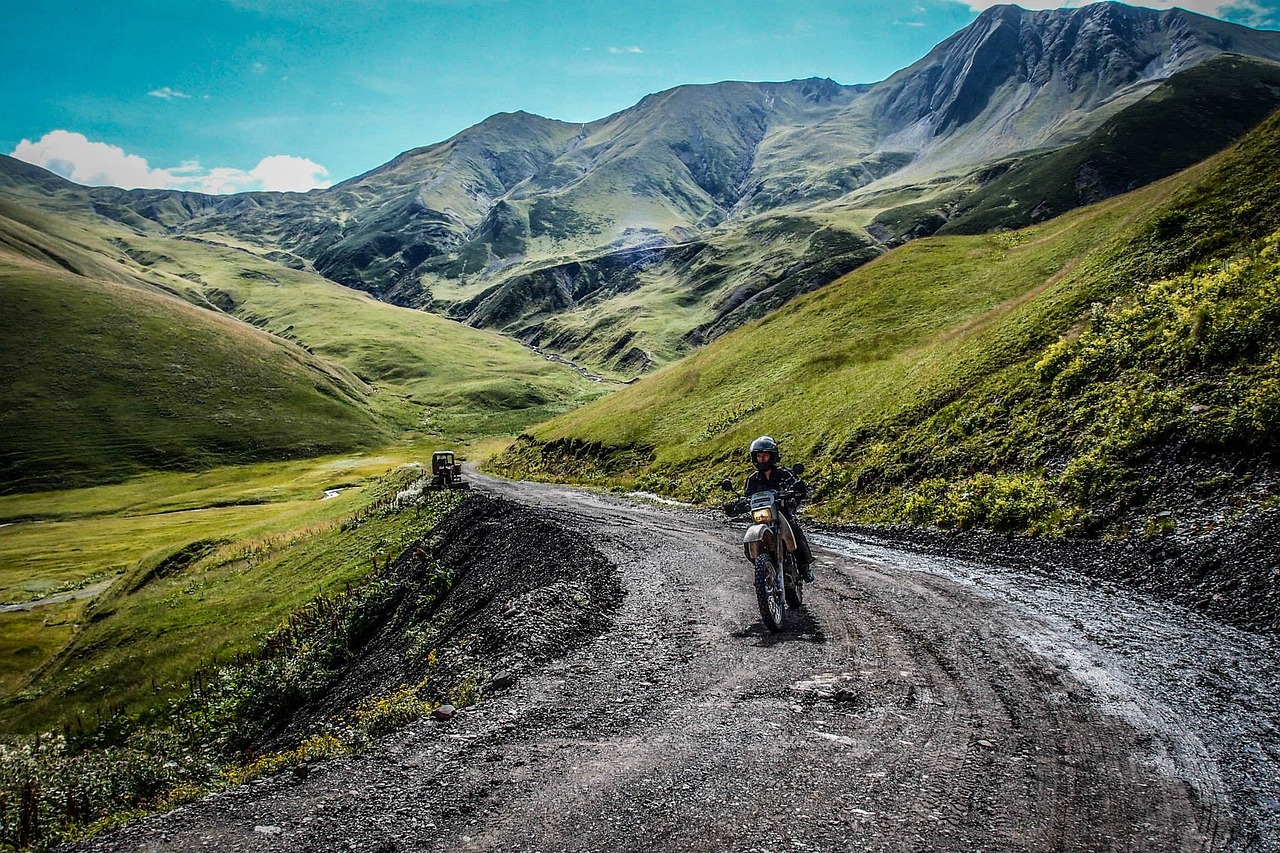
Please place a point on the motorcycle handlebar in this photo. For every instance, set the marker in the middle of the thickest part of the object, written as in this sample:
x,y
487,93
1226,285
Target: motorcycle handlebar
x,y
741,506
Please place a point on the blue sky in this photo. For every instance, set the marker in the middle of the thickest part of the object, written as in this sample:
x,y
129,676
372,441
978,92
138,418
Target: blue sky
x,y
227,95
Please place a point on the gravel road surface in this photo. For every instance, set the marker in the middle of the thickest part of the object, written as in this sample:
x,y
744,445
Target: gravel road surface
x,y
914,704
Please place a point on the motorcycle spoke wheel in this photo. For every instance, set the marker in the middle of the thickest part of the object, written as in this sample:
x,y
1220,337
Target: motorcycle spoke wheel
x,y
768,596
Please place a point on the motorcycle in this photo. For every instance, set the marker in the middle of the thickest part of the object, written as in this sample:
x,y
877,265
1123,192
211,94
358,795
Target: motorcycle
x,y
770,547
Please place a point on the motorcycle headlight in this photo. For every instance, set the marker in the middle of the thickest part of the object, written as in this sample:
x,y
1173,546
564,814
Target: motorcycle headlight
x,y
763,515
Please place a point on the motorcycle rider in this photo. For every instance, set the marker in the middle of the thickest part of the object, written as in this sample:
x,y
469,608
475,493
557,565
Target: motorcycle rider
x,y
769,476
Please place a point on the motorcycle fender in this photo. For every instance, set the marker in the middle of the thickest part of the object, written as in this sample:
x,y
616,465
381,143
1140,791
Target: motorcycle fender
x,y
758,536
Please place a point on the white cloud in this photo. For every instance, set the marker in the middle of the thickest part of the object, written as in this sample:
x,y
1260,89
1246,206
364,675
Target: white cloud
x,y
167,94
76,158
289,174
1252,11
626,50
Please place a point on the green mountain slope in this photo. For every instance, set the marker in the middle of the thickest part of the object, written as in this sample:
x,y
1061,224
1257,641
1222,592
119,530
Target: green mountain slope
x,y
132,350
104,377
1189,117
432,374
1066,377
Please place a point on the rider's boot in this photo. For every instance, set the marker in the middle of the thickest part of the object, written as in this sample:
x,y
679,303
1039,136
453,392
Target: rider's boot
x,y
806,571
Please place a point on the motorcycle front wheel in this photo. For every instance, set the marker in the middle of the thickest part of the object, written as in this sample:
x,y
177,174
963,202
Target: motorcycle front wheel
x,y
772,609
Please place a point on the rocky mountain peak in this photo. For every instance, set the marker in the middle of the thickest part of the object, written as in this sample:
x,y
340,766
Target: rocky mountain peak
x,y
518,188
820,90
1059,61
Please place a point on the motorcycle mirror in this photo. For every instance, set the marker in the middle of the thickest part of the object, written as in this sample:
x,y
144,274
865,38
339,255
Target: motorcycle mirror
x,y
726,484
798,469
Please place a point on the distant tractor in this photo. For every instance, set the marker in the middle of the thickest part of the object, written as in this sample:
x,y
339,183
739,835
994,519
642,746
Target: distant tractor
x,y
445,472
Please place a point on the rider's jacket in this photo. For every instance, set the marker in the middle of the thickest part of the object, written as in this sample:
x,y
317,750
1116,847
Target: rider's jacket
x,y
775,478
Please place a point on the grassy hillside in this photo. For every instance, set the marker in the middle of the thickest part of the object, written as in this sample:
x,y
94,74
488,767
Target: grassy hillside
x,y
433,375
190,586
128,352
1026,380
103,378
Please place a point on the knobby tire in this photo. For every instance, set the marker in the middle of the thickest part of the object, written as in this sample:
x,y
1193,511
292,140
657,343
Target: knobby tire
x,y
772,609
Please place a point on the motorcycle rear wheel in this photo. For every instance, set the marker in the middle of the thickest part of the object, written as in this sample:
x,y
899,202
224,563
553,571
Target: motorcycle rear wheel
x,y
772,609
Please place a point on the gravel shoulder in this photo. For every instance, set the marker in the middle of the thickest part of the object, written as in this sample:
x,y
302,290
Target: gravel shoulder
x,y
915,703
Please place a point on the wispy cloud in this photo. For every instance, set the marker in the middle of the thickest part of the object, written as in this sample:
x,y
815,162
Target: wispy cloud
x,y
167,94
1255,14
77,158
626,50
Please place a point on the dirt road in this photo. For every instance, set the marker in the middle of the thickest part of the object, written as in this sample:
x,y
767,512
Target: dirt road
x,y
913,705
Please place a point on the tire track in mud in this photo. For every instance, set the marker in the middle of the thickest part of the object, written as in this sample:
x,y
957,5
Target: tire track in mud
x,y
1146,665
998,750
910,706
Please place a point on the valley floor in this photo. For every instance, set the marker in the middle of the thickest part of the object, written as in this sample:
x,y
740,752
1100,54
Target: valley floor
x,y
915,703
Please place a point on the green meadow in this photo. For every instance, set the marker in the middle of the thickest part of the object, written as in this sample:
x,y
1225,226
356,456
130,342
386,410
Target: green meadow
x,y
165,559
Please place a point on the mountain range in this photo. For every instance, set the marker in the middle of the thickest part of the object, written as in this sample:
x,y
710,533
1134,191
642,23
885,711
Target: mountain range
x,y
623,244
629,241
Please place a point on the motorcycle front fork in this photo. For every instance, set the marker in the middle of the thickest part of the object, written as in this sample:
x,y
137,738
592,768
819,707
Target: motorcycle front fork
x,y
755,549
